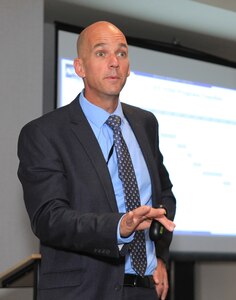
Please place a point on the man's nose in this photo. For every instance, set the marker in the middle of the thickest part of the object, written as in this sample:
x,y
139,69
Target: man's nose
x,y
114,62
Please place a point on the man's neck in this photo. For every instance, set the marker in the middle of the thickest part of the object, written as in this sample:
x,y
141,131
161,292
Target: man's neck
x,y
108,103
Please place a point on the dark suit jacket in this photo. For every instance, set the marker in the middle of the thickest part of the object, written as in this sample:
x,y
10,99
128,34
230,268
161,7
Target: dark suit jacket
x,y
70,200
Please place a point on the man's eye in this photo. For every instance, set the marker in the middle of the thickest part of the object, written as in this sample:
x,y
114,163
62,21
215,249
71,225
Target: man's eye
x,y
100,54
122,54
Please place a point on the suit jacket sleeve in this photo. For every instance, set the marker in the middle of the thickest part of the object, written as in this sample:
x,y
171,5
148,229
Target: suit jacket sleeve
x,y
168,200
55,222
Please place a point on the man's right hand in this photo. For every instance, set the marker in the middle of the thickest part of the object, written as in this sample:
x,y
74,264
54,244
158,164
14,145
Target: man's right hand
x,y
141,218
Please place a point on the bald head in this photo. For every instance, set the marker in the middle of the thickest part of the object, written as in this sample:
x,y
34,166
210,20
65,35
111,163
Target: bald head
x,y
87,35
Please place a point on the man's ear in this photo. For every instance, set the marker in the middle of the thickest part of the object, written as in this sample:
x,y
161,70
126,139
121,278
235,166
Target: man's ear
x,y
78,65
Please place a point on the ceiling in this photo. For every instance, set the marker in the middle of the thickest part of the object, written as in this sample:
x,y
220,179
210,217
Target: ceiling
x,y
204,25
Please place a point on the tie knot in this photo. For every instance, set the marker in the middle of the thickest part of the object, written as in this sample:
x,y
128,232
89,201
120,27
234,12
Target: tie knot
x,y
114,122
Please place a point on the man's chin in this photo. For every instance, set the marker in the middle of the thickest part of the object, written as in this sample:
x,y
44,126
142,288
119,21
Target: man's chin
x,y
114,91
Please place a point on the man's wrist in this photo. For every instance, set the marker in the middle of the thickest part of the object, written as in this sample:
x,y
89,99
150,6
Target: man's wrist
x,y
121,239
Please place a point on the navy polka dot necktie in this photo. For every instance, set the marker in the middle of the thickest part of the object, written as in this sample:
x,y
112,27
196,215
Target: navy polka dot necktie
x,y
131,193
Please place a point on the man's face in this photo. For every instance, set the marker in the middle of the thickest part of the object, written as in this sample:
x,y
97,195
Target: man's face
x,y
104,62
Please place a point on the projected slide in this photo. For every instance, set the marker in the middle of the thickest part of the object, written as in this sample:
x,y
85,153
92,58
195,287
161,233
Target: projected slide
x,y
197,137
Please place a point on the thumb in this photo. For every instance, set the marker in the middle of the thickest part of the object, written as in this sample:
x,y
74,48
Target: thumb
x,y
129,219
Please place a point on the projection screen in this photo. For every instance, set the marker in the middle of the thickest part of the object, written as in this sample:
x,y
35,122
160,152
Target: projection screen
x,y
195,104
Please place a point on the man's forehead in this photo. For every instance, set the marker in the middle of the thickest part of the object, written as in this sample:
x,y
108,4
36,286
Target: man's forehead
x,y
107,44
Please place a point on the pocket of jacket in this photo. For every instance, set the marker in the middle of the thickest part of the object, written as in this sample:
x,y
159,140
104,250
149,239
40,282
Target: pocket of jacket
x,y
60,279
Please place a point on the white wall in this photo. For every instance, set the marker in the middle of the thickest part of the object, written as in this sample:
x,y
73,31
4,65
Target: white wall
x,y
21,82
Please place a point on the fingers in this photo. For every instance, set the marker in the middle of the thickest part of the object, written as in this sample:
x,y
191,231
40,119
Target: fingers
x,y
136,216
162,290
161,280
168,224
159,214
131,221
156,213
140,219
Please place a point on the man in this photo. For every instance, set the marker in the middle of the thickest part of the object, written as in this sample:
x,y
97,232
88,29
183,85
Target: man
x,y
73,193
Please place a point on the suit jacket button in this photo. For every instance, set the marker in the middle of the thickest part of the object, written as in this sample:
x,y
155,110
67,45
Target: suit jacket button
x,y
118,287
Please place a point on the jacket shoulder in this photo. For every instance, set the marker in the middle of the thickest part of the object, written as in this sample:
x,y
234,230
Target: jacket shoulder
x,y
54,119
138,113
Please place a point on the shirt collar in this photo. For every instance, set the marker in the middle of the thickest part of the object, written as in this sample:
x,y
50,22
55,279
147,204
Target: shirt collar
x,y
96,114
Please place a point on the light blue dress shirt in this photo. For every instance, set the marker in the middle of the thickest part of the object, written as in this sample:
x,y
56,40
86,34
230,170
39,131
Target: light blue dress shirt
x,y
97,117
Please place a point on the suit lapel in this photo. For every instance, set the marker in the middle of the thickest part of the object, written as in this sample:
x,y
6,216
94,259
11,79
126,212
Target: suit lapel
x,y
88,141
